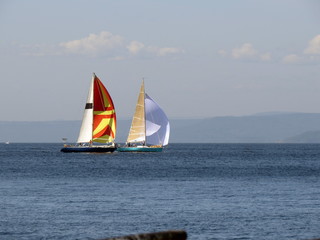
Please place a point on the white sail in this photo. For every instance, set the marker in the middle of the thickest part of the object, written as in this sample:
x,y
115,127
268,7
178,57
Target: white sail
x,y
85,134
157,123
138,129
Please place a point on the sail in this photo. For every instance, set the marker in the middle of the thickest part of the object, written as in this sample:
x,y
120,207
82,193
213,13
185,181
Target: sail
x,y
157,123
104,116
85,134
138,129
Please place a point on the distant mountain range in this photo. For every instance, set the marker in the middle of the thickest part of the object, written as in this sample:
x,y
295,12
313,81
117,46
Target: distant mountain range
x,y
259,128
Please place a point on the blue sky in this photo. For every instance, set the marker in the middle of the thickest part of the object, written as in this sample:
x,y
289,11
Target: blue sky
x,y
198,58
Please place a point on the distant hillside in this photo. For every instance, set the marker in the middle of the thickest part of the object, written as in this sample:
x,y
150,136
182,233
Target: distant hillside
x,y
51,131
306,137
261,128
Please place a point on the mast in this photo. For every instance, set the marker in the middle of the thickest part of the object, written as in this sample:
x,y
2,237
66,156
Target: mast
x,y
93,78
144,113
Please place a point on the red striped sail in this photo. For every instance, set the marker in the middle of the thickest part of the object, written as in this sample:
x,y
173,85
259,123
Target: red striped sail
x,y
104,115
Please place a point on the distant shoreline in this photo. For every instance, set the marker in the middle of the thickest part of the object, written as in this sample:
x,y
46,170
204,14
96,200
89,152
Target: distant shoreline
x,y
261,128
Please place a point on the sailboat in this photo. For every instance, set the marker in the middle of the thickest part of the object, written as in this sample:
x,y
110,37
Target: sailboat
x,y
150,128
98,129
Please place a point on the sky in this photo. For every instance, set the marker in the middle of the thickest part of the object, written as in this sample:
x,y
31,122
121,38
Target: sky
x,y
199,59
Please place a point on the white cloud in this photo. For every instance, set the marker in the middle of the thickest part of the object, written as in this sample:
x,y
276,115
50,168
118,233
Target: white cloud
x,y
314,46
312,50
161,52
245,51
106,44
290,59
135,47
94,44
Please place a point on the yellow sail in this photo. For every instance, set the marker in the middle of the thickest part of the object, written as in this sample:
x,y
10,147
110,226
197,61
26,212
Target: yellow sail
x,y
138,127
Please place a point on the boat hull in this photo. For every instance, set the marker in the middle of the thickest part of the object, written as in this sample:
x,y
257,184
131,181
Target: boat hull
x,y
88,149
139,149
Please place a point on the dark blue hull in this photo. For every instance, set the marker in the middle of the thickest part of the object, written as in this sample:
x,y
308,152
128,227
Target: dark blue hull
x,y
88,149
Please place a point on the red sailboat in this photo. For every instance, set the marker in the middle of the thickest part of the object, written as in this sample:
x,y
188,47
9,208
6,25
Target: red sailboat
x,y
98,129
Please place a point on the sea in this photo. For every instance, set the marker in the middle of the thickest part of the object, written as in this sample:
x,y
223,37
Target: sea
x,y
211,191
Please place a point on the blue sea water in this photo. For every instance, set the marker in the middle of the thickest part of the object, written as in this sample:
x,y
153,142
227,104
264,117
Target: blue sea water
x,y
212,191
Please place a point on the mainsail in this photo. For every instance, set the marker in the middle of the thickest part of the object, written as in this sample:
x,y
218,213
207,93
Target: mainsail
x,y
138,127
85,134
99,120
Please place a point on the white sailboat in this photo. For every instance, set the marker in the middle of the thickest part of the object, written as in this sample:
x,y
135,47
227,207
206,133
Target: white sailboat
x,y
98,122
150,128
